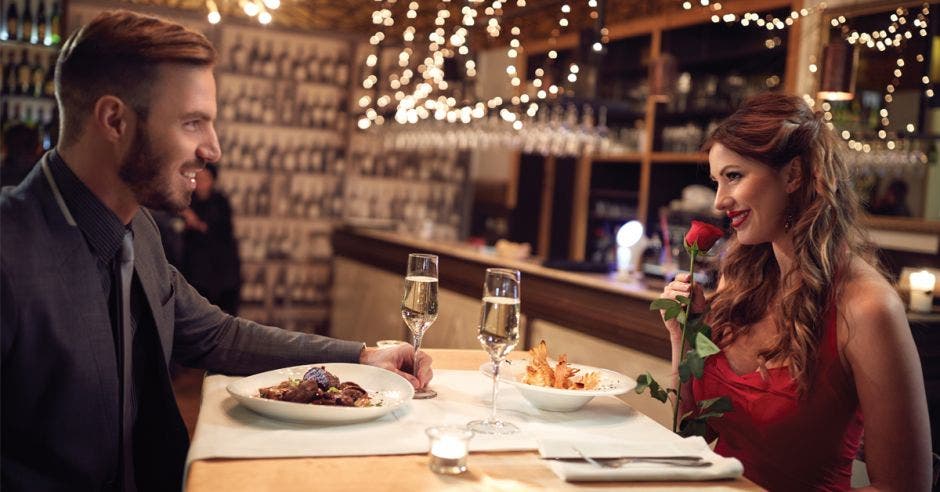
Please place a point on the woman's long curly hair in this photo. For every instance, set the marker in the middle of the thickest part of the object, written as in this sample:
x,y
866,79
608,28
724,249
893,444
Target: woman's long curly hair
x,y
822,219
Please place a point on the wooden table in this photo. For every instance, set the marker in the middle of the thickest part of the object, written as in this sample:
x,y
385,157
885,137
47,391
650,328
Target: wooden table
x,y
489,471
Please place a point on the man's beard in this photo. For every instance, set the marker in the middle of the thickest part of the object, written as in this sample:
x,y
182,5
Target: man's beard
x,y
142,171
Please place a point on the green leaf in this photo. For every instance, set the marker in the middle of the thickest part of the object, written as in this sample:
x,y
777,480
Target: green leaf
x,y
646,380
696,363
662,304
685,373
693,427
704,346
642,382
706,330
672,312
683,299
681,317
719,404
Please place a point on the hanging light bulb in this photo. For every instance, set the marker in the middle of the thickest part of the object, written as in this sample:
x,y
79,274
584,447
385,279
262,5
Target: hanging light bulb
x,y
214,16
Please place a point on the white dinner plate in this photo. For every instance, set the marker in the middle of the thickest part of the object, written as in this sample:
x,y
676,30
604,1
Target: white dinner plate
x,y
557,399
387,390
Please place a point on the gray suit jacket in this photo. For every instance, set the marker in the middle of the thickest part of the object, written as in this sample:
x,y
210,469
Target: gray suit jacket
x,y
59,370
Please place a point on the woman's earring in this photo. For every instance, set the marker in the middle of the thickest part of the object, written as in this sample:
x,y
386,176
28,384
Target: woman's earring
x,y
788,221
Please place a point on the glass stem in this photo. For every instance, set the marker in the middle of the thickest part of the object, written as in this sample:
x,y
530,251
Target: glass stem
x,y
496,364
416,341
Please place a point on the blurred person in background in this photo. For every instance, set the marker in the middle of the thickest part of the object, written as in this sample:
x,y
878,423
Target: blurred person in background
x,y
893,201
210,251
21,150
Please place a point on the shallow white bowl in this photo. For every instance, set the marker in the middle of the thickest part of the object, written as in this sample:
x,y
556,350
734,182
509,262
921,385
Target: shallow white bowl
x,y
561,400
388,391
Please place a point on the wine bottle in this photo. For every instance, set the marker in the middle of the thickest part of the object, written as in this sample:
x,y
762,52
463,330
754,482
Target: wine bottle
x,y
342,70
326,69
27,23
269,62
4,114
313,66
237,56
299,71
23,74
13,20
46,129
254,66
48,83
55,21
41,23
11,83
284,65
37,76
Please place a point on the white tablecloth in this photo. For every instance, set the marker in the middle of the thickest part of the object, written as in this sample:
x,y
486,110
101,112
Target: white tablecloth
x,y
228,430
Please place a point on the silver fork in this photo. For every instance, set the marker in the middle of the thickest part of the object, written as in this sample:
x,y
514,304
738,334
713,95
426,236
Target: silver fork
x,y
687,461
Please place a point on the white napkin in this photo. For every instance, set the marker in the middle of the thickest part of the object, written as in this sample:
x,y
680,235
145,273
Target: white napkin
x,y
578,471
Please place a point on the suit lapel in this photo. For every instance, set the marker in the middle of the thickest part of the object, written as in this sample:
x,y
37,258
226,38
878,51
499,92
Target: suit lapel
x,y
76,270
146,268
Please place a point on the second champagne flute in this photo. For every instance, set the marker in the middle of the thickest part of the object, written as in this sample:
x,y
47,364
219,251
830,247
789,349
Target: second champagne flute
x,y
419,304
499,334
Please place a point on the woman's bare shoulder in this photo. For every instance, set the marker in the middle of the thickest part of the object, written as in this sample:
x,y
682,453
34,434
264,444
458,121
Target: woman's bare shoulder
x,y
867,301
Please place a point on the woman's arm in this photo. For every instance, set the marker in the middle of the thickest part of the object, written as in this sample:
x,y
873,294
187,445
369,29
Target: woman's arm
x,y
880,351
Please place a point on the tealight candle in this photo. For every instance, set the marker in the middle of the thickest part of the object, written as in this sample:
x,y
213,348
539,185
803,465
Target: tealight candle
x,y
449,449
922,284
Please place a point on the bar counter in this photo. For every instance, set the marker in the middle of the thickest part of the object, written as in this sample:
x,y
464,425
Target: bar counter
x,y
593,304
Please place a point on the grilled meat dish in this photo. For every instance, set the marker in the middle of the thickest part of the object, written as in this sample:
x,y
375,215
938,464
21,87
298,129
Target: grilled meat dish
x,y
318,387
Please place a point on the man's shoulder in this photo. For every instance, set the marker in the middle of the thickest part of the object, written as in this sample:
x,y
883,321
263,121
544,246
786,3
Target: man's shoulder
x,y
19,204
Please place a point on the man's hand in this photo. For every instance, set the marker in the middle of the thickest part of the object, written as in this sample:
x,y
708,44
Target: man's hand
x,y
399,359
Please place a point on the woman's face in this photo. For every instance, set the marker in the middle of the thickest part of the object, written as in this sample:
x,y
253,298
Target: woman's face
x,y
752,194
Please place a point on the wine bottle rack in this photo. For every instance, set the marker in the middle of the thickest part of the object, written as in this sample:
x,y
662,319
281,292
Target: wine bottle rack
x,y
282,126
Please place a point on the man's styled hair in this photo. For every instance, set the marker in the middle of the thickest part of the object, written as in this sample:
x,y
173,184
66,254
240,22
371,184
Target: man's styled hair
x,y
119,53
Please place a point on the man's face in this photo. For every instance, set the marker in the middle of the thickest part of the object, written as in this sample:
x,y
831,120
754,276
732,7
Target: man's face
x,y
176,139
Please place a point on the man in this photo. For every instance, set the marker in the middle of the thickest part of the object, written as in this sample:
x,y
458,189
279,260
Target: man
x,y
91,311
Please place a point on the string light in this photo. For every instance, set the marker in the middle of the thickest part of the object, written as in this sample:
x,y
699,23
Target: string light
x,y
769,22
259,9
903,26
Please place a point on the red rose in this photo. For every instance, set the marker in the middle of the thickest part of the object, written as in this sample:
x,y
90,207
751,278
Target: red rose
x,y
703,235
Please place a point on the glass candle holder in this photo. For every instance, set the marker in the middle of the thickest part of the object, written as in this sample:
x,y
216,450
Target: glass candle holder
x,y
449,449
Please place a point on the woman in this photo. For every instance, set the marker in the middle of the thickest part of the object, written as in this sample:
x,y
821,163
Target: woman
x,y
813,336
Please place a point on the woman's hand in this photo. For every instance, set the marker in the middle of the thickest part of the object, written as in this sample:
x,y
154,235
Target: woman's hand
x,y
682,286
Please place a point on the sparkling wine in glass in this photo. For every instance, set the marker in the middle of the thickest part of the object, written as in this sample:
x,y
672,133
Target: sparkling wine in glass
x,y
499,334
419,304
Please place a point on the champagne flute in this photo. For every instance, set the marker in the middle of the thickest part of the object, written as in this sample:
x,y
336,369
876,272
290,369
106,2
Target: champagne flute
x,y
499,334
419,304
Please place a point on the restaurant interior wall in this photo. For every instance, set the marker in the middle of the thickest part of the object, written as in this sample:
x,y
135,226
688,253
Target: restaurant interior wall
x,y
294,170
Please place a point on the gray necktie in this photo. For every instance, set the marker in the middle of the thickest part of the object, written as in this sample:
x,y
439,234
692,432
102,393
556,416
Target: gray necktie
x,y
127,371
